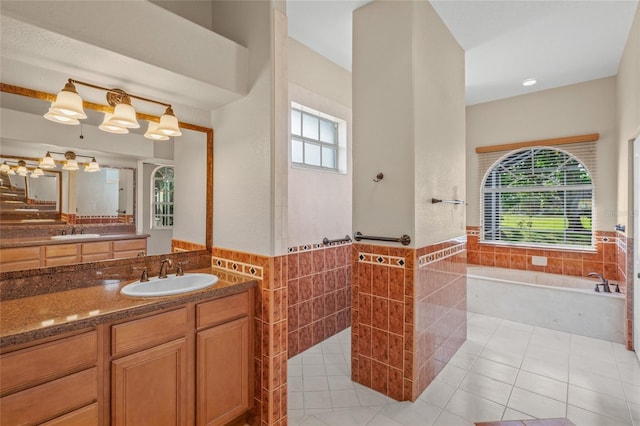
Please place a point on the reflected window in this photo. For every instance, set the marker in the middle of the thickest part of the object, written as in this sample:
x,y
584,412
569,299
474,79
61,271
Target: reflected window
x,y
163,196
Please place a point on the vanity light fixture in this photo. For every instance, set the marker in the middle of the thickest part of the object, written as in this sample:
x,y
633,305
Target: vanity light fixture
x,y
529,82
37,172
153,133
47,162
4,167
67,109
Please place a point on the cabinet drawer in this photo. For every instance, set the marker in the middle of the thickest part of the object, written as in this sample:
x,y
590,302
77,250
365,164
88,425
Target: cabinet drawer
x,y
128,245
95,257
47,361
51,399
19,266
61,250
147,332
221,310
85,416
127,254
19,254
95,248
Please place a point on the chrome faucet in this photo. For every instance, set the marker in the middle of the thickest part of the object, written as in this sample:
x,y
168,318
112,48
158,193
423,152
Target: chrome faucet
x,y
604,283
166,264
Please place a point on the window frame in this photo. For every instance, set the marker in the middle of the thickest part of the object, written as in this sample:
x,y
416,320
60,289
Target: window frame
x,y
495,216
169,204
335,147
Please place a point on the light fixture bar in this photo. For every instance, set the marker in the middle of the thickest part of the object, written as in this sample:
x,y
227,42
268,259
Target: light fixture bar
x,y
118,92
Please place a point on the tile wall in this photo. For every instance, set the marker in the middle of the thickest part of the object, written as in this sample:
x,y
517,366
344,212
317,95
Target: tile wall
x,y
180,245
603,261
408,315
270,331
319,294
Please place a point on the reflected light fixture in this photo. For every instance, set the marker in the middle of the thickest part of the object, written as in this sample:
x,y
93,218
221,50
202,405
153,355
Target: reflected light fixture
x,y
93,166
47,162
37,172
67,109
4,167
71,164
22,168
529,82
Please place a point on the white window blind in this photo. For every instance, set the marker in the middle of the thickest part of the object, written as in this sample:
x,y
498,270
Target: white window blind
x,y
539,196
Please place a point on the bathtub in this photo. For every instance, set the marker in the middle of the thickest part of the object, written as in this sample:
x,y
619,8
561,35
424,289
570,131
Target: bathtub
x,y
558,302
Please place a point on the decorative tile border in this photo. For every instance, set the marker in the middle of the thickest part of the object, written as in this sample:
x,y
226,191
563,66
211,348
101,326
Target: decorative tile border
x,y
379,259
427,259
315,246
237,267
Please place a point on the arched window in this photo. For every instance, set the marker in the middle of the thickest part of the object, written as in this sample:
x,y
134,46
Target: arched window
x,y
538,196
162,203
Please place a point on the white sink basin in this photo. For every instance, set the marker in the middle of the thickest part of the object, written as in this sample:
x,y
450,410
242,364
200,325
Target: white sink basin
x,y
170,285
74,236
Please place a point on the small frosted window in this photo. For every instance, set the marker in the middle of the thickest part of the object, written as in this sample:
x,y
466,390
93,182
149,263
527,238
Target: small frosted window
x,y
310,126
312,154
314,139
327,132
297,155
296,122
328,157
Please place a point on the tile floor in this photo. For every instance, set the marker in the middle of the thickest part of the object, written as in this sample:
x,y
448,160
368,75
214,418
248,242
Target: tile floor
x,y
504,371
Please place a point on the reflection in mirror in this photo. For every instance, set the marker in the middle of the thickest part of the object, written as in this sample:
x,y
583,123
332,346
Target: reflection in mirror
x,y
34,197
114,199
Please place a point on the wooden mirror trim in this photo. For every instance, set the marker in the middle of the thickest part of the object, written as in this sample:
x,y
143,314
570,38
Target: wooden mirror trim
x,y
50,97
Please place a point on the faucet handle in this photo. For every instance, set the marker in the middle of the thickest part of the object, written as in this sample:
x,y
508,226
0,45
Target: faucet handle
x,y
179,270
144,276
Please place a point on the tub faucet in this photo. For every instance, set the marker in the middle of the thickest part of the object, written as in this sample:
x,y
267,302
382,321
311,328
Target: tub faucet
x,y
604,283
166,264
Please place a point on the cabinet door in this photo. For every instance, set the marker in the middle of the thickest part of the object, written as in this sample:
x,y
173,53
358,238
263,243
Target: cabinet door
x,y
150,387
223,372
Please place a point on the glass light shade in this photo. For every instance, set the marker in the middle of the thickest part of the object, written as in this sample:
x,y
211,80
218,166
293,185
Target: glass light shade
x,y
11,172
47,162
93,166
169,124
22,171
153,133
37,172
57,117
70,165
4,167
69,103
33,176
111,127
125,116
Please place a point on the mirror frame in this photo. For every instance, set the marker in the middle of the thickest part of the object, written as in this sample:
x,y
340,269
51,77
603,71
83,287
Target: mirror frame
x,y
50,97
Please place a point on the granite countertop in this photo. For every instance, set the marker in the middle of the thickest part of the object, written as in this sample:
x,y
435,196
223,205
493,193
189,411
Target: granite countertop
x,y
35,317
39,241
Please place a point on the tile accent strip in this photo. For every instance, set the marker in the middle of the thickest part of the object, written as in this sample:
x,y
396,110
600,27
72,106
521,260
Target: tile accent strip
x,y
430,258
315,246
380,259
237,267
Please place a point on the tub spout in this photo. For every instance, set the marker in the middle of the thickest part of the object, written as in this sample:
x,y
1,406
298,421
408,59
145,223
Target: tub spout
x,y
604,283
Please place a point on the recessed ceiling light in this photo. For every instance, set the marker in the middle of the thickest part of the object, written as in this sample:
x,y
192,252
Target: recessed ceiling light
x,y
529,82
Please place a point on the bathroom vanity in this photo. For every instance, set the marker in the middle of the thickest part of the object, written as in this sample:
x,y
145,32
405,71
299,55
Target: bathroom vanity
x,y
92,356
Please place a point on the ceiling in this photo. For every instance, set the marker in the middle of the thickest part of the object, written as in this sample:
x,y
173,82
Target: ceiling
x,y
559,42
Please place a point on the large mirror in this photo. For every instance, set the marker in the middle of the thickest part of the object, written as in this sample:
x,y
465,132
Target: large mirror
x,y
160,189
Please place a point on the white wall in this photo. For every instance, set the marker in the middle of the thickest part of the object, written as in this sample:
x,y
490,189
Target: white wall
x,y
243,181
408,114
97,193
566,111
628,121
319,202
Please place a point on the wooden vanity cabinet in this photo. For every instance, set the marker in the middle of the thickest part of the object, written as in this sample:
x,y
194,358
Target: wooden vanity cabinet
x,y
54,383
223,359
165,365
